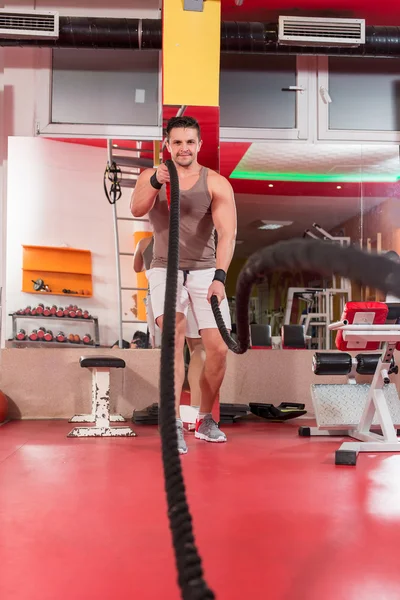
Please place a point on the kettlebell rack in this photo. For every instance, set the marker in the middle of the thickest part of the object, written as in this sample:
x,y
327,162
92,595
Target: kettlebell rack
x,y
58,325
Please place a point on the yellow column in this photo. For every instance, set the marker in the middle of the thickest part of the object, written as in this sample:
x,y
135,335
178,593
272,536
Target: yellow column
x,y
141,279
191,54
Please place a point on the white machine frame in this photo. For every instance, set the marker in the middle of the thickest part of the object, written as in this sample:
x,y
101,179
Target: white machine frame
x,y
376,411
323,315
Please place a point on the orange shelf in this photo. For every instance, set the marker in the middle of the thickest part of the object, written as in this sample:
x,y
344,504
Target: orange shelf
x,y
60,268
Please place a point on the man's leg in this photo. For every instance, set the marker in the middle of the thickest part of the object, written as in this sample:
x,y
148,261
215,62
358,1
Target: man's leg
x,y
197,357
150,321
210,382
157,282
179,362
216,352
214,368
196,365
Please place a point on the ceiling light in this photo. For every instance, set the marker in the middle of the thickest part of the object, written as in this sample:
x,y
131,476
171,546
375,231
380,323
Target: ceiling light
x,y
339,187
115,145
274,224
270,185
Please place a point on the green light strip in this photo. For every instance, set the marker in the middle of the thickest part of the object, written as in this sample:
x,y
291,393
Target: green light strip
x,y
316,177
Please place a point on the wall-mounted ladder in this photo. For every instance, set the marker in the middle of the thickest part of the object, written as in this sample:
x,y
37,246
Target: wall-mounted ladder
x,y
130,161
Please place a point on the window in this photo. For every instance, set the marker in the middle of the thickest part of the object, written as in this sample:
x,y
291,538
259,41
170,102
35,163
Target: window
x,y
263,97
359,99
108,93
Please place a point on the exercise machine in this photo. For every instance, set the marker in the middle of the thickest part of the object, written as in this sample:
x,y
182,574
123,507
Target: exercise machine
x,y
368,413
319,312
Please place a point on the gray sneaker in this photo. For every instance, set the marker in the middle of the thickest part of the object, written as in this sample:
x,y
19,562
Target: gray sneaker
x,y
182,447
208,430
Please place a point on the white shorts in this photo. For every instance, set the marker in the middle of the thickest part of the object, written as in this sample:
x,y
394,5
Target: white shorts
x,y
191,324
192,292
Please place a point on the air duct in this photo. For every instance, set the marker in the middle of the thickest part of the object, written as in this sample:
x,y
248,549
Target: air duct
x,y
236,37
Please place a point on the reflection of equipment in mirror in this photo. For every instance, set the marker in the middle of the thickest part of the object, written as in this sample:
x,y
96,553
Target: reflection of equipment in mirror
x,y
39,285
354,409
320,302
72,317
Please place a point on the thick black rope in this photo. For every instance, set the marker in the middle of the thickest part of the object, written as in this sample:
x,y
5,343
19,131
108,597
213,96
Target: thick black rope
x,y
188,561
316,256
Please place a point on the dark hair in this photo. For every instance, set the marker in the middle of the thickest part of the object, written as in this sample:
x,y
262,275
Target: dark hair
x,y
182,123
140,339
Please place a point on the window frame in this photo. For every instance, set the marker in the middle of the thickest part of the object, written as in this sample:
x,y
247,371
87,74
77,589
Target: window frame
x,y
43,111
300,132
343,135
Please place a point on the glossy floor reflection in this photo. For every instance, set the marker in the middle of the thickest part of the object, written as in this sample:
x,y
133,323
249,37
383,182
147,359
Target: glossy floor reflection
x,y
274,518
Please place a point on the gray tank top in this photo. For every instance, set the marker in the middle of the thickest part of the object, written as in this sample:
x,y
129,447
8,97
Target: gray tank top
x,y
197,234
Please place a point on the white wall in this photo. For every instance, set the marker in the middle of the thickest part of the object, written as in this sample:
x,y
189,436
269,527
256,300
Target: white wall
x,y
19,82
55,197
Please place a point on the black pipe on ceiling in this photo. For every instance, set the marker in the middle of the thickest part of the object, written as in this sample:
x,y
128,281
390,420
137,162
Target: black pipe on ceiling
x,y
236,37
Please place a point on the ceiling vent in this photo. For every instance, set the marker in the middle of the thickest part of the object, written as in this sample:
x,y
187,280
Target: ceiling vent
x,y
305,31
24,24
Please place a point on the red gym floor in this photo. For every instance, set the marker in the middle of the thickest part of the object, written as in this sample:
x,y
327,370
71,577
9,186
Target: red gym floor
x,y
274,518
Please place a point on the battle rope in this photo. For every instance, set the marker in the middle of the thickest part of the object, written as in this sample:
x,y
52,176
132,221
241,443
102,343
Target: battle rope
x,y
316,256
188,561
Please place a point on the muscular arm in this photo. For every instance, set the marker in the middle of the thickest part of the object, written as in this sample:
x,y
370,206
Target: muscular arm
x,y
138,260
144,195
225,221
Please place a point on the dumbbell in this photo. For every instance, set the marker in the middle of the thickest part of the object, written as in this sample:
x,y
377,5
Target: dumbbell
x,y
48,336
41,333
77,339
60,337
79,313
53,309
20,311
85,314
39,309
27,310
87,339
33,336
21,335
47,312
60,312
72,314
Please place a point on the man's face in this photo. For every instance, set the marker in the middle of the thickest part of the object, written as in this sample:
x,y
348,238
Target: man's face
x,y
183,145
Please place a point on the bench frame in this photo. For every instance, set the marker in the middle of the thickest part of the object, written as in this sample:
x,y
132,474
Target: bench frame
x,y
376,403
100,414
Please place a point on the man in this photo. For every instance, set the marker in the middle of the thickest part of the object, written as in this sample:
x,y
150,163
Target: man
x,y
207,204
142,262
